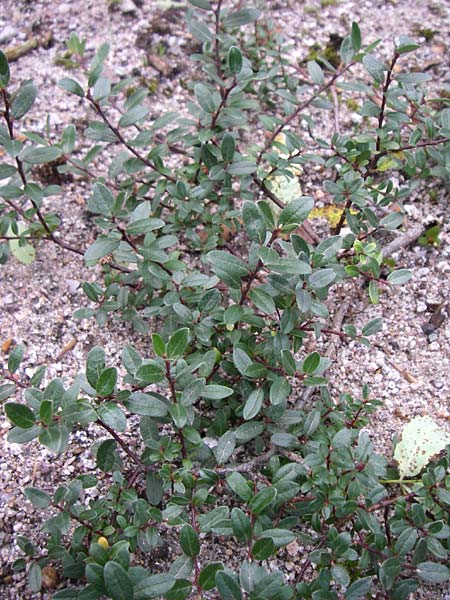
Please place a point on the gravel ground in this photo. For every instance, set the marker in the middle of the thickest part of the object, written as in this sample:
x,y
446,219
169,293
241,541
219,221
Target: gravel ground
x,y
408,369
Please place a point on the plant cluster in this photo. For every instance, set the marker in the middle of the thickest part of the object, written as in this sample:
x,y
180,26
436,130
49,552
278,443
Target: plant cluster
x,y
207,436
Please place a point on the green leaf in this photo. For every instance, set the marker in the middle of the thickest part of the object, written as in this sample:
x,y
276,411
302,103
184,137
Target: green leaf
x,y
262,300
227,586
406,541
203,4
227,267
55,437
106,383
207,577
433,572
181,590
239,485
216,392
373,326
279,390
225,447
15,357
158,345
4,70
280,537
241,524
253,222
117,582
35,577
242,167
399,277
41,155
235,60
37,497
356,37
192,392
154,586
295,213
205,98
253,404
6,390
315,72
375,67
179,415
421,439
311,363
359,588
95,365
263,548
177,343
101,247
149,373
189,541
72,86
23,100
20,415
102,200
262,500
146,405
321,278
113,416
133,116
228,147
106,455
241,17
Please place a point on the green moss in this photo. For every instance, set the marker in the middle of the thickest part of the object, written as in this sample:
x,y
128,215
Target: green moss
x,y
426,33
325,3
352,104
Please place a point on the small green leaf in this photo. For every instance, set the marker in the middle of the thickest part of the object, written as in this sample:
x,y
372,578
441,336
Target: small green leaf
x,y
149,373
356,37
23,100
228,147
263,548
262,500
153,586
311,363
20,415
241,17
72,86
227,586
106,383
216,392
315,72
321,278
433,572
239,485
41,155
95,365
177,344
158,345
35,577
189,541
359,588
241,524
295,213
399,277
4,71
225,447
205,98
37,497
207,577
373,326
117,582
253,404
235,60
106,455
15,357
100,248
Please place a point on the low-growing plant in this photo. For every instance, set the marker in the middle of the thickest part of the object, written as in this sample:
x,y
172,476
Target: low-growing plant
x,y
205,248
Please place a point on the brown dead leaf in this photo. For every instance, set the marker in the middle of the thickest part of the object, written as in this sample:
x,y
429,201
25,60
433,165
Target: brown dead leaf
x,y
49,577
7,345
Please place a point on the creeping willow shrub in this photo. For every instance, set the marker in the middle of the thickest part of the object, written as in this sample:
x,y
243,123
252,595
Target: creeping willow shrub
x,y
205,441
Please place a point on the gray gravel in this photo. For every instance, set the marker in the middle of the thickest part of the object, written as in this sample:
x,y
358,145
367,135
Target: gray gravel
x,y
37,301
